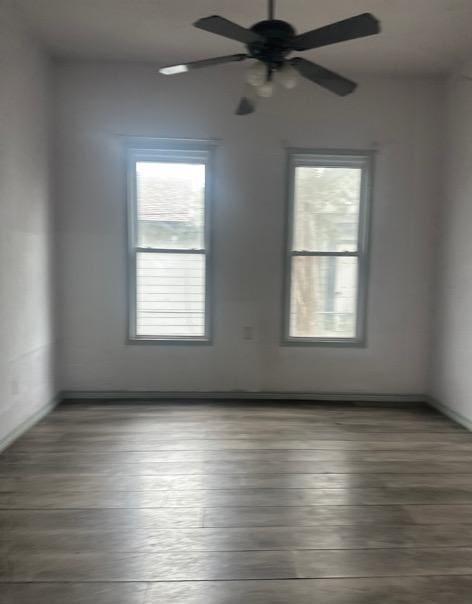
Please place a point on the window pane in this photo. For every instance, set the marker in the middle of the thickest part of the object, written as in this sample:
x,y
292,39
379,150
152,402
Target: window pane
x,y
326,208
170,205
170,296
323,297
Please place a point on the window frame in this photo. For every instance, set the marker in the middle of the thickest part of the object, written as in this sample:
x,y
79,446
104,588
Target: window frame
x,y
171,151
363,159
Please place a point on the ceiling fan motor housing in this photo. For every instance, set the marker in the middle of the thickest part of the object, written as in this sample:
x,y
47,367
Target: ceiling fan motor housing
x,y
277,43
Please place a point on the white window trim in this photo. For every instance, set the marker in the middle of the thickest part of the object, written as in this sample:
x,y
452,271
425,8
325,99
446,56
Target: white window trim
x,y
171,150
363,159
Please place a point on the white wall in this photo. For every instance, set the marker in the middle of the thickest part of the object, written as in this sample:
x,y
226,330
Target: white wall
x,y
26,333
100,103
452,361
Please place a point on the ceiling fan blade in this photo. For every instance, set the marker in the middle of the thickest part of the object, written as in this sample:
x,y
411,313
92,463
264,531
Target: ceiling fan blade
x,y
222,27
245,106
349,29
173,69
323,77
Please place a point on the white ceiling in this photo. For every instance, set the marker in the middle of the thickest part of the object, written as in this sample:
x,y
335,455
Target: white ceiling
x,y
419,36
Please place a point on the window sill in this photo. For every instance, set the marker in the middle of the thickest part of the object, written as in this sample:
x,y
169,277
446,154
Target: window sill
x,y
164,341
333,343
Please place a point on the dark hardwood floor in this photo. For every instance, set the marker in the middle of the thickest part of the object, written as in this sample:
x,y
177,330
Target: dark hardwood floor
x,y
229,503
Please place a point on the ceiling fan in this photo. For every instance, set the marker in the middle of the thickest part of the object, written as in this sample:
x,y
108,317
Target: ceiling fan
x,y
270,42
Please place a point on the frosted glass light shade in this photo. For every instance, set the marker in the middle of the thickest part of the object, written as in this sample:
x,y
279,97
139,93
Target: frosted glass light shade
x,y
266,90
287,76
256,74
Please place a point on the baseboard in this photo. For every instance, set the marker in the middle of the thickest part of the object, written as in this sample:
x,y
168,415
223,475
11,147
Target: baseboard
x,y
7,440
102,395
454,415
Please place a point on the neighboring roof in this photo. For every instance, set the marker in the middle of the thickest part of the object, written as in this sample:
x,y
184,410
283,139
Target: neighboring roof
x,y
158,202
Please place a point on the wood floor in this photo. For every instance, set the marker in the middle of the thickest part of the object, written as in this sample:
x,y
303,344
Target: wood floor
x,y
232,503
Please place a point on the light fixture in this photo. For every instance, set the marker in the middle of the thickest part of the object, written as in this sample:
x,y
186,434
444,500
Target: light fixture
x,y
256,74
173,69
287,76
266,90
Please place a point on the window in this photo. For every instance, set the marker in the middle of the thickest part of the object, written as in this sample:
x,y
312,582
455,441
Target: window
x,y
327,247
168,242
